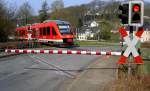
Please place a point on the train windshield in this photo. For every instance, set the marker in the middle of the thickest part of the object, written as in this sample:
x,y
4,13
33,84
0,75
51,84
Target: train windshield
x,y
64,29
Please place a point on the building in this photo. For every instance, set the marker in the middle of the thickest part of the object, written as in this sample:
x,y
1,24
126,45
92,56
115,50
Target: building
x,y
84,35
146,36
114,31
87,31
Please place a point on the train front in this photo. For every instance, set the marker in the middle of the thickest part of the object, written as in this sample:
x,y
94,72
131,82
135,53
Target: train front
x,y
66,33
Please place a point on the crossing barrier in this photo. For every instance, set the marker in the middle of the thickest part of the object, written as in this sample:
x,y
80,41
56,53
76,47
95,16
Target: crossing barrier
x,y
78,52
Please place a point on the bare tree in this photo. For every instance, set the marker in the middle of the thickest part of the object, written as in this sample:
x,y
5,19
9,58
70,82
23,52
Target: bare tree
x,y
44,11
7,26
2,8
25,11
57,5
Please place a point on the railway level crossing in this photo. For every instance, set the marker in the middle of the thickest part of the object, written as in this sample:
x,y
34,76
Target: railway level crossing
x,y
131,15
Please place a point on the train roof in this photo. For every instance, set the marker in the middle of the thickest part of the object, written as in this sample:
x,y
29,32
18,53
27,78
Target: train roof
x,y
21,28
57,21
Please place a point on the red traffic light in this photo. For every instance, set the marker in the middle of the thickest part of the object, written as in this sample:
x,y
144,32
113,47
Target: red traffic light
x,y
136,8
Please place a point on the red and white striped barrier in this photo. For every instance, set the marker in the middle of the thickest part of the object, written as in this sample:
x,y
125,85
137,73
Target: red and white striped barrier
x,y
62,52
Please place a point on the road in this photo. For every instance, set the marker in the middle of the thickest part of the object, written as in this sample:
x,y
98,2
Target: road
x,y
43,72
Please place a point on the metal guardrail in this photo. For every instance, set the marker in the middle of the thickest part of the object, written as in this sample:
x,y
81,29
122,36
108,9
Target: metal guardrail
x,y
146,59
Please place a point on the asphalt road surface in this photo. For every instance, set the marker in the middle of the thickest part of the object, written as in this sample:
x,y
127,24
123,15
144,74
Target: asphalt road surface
x,y
43,72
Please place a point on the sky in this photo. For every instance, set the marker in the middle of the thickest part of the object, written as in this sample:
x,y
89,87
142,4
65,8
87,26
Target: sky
x,y
36,4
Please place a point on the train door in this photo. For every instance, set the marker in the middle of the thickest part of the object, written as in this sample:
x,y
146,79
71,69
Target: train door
x,y
33,33
37,33
41,33
44,32
26,32
48,32
54,33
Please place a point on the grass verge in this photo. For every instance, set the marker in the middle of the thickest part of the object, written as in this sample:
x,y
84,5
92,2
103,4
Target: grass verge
x,y
132,83
95,43
146,45
137,82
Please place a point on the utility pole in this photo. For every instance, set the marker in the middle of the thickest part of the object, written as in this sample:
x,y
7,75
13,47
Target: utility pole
x,y
131,14
130,57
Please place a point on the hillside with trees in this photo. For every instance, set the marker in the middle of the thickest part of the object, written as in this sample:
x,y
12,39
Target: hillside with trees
x,y
107,15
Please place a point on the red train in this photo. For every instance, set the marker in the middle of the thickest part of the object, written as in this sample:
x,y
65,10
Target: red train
x,y
50,31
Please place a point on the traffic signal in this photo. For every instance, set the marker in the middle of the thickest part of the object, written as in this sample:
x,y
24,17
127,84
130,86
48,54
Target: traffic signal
x,y
136,13
124,13
139,51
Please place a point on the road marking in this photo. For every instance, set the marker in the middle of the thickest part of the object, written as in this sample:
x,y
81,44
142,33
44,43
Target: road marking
x,y
14,73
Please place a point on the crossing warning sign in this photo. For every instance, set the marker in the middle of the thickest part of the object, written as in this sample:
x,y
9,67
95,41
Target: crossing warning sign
x,y
131,46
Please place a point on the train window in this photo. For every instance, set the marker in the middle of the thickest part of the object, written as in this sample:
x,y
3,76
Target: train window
x,y
44,31
33,33
16,33
23,33
48,30
41,31
53,31
19,33
37,32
